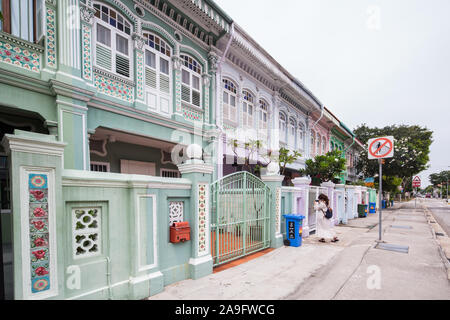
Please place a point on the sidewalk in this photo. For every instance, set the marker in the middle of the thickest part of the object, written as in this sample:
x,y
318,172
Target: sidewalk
x,y
334,270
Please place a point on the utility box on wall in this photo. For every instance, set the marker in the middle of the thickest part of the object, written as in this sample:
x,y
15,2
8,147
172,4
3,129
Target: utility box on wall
x,y
180,232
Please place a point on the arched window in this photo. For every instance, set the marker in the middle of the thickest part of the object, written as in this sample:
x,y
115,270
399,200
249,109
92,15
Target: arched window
x,y
301,136
229,100
113,51
247,109
313,142
318,140
158,73
282,124
263,118
191,90
291,132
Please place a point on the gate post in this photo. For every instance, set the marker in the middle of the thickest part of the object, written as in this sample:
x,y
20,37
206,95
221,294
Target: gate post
x,y
200,173
340,202
38,214
273,181
303,183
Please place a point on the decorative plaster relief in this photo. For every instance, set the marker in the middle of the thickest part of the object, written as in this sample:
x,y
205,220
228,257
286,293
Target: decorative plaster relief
x,y
86,224
19,57
87,60
202,217
176,212
113,88
51,37
39,232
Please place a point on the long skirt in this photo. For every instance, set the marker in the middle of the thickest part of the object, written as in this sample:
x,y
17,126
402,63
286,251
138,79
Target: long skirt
x,y
325,227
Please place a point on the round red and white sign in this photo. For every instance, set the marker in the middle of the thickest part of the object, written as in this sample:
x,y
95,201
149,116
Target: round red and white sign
x,y
380,148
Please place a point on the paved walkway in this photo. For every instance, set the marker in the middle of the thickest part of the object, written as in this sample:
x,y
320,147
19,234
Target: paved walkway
x,y
335,270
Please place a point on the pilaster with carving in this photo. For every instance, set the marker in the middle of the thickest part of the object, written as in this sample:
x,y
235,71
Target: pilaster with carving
x,y
139,63
50,34
87,19
176,60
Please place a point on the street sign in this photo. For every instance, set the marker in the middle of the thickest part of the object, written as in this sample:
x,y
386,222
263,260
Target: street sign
x,y
416,182
369,182
380,148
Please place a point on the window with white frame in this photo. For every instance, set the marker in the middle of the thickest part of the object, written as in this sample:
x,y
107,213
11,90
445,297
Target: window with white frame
x,y
158,71
263,117
318,140
113,50
313,142
301,136
229,100
191,89
247,109
282,126
291,132
23,18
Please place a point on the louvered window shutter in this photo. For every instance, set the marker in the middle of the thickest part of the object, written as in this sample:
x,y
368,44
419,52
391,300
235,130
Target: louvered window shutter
x,y
150,78
186,93
196,98
123,65
164,83
103,57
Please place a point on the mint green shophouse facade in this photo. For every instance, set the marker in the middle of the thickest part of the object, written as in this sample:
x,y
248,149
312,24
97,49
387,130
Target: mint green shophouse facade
x,y
109,86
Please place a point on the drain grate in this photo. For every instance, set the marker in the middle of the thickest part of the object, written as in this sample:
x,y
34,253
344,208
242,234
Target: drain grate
x,y
392,247
440,234
401,227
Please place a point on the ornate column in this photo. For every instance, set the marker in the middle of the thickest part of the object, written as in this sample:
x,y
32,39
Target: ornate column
x,y
139,101
302,202
211,115
177,62
87,14
206,79
199,173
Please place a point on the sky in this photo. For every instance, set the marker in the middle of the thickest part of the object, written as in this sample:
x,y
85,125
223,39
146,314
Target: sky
x,y
379,62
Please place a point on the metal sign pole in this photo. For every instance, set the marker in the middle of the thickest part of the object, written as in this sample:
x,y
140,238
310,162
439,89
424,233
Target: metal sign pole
x,y
380,161
415,199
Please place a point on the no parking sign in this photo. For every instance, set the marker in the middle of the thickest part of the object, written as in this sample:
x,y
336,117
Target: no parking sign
x,y
380,148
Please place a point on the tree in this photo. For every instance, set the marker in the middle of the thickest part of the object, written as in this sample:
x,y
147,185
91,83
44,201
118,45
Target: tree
x,y
324,167
411,152
440,180
285,157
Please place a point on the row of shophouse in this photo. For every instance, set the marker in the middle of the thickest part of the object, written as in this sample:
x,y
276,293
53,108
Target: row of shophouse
x,y
116,118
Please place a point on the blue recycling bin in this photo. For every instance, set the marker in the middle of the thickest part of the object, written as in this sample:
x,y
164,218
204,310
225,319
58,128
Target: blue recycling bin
x,y
294,229
383,204
372,207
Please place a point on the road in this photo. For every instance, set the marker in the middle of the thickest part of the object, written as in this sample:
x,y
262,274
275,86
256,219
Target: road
x,y
441,212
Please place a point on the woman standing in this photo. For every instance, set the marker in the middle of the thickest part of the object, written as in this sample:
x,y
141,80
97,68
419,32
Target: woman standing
x,y
324,226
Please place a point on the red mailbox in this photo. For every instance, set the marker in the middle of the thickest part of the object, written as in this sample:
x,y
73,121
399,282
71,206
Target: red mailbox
x,y
180,232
